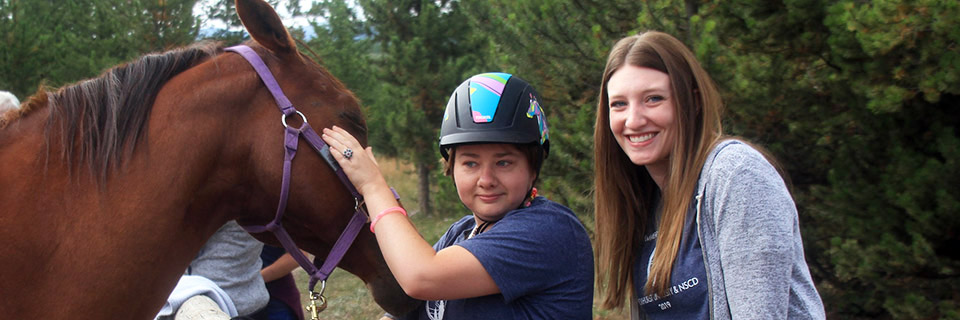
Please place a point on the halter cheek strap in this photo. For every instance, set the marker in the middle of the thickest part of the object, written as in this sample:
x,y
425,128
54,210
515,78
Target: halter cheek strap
x,y
290,142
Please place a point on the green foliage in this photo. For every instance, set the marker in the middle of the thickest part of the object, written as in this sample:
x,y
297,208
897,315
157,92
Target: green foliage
x,y
897,50
559,47
447,200
895,224
349,53
166,24
58,42
858,101
426,52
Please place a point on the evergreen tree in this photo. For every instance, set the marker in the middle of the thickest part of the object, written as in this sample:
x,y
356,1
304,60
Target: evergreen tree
x,y
560,46
344,44
169,23
58,42
858,100
427,50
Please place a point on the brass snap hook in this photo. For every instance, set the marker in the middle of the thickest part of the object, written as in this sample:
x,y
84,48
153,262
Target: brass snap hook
x,y
317,302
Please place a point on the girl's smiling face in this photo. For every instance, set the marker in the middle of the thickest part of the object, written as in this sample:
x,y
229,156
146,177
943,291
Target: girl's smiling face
x,y
491,179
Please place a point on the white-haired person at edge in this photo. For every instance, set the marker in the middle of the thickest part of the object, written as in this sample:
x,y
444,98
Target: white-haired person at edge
x,y
8,102
690,223
517,255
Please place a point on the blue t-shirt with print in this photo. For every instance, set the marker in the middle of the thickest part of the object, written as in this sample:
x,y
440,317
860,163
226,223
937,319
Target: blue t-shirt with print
x,y
539,256
686,296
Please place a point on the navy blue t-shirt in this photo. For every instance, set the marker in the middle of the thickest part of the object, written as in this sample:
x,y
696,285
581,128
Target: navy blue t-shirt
x,y
541,259
687,294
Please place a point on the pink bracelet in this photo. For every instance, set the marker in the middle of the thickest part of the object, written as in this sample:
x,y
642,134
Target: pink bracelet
x,y
385,212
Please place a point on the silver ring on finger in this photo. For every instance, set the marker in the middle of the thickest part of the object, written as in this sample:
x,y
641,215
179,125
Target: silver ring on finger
x,y
347,154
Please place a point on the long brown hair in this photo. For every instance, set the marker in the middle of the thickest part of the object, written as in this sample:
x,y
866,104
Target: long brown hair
x,y
626,196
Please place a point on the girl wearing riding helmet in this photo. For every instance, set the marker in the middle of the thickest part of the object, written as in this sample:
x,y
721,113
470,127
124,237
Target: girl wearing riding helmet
x,y
518,255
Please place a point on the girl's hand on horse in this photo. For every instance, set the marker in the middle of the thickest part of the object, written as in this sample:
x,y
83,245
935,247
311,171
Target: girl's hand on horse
x,y
361,167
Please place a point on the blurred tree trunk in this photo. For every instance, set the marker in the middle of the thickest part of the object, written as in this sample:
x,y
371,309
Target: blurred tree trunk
x,y
426,52
423,174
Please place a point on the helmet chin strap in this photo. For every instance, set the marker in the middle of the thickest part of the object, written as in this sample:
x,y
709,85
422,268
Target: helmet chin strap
x,y
484,220
480,228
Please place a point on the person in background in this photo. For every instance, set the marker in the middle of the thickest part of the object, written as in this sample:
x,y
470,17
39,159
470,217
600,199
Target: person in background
x,y
223,281
517,255
277,270
690,223
8,102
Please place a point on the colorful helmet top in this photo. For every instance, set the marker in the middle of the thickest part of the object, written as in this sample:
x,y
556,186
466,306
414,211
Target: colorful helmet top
x,y
494,108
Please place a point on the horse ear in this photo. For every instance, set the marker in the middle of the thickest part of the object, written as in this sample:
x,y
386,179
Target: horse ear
x,y
264,25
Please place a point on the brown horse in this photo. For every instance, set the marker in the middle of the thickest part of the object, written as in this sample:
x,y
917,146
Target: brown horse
x,y
110,186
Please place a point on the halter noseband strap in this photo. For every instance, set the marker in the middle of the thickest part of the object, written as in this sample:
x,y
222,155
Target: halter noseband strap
x,y
291,141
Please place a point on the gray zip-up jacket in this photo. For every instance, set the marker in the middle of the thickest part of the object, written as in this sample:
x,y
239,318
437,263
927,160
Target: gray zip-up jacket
x,y
750,235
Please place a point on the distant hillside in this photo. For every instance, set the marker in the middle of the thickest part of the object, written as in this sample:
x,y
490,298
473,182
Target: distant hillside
x,y
206,33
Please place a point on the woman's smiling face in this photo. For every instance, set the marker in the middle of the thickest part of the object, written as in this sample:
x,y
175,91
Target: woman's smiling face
x,y
642,116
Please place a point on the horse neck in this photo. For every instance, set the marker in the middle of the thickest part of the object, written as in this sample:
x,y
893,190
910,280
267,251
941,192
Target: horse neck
x,y
140,227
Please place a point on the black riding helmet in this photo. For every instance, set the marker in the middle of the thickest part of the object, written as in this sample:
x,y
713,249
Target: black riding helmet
x,y
494,108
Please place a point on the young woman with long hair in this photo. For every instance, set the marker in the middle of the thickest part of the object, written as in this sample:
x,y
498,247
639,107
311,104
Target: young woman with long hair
x,y
690,223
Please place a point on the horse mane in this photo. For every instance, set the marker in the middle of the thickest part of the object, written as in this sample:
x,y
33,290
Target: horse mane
x,y
107,115
99,121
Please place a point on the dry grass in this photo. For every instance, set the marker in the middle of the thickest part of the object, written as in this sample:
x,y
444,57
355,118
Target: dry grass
x,y
347,297
402,177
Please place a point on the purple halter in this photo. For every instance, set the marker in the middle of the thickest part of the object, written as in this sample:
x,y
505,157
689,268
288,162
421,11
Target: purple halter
x,y
291,140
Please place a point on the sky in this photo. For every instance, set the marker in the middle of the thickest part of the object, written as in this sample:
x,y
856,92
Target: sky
x,y
200,8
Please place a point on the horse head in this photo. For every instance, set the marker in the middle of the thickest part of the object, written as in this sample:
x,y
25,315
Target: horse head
x,y
318,205
111,185
247,183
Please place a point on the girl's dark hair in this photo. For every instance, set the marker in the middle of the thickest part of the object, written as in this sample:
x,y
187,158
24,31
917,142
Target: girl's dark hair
x,y
532,151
